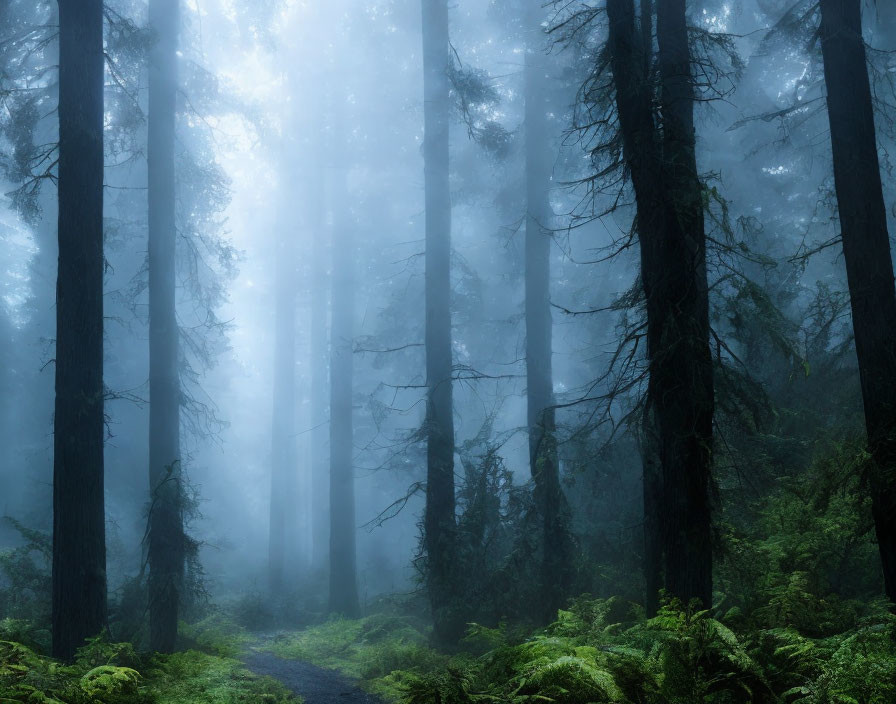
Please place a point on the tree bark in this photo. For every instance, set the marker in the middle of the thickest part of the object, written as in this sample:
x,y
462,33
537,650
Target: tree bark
x,y
631,56
685,400
544,464
866,251
166,535
282,542
439,518
653,501
343,577
673,275
79,545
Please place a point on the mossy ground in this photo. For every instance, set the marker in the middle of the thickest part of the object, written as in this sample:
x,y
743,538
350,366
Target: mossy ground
x,y
379,651
598,651
606,651
115,674
192,676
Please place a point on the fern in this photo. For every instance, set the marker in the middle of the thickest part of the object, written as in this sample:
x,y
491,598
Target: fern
x,y
566,680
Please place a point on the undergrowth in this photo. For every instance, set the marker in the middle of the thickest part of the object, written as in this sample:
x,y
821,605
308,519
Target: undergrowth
x,y
379,651
216,634
113,673
605,650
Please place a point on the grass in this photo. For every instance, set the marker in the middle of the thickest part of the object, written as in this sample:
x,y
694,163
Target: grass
x,y
217,634
107,673
193,676
380,651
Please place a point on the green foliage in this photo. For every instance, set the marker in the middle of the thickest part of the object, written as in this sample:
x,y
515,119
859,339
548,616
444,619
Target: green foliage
x,y
216,634
112,673
805,557
26,633
192,676
586,655
25,585
111,684
448,686
482,638
127,610
99,652
700,659
604,650
496,543
797,621
25,676
567,680
497,546
254,610
28,677
855,667
259,611
383,651
333,644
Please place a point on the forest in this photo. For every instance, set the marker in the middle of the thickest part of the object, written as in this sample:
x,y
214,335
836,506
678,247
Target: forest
x,y
430,352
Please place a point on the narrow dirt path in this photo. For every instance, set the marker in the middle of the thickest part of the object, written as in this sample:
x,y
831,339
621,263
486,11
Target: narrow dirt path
x,y
315,685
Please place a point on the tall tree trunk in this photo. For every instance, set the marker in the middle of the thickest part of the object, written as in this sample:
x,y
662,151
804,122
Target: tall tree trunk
x,y
284,470
543,461
320,504
652,482
343,578
166,536
673,274
79,543
631,57
439,518
866,251
652,492
685,402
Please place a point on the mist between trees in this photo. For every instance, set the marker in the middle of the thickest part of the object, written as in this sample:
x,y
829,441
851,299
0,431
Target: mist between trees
x,y
479,312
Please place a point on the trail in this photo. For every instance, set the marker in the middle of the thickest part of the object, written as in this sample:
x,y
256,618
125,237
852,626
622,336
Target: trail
x,y
316,685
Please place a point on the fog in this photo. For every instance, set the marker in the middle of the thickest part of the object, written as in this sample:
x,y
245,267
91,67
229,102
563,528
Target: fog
x,y
301,232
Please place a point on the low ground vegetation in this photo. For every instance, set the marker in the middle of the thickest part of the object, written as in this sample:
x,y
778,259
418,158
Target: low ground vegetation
x,y
114,673
797,619
605,650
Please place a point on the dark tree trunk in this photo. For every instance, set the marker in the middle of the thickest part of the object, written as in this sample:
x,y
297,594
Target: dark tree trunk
x,y
439,518
646,46
631,56
166,536
866,251
284,469
343,578
683,361
544,465
79,542
673,274
653,502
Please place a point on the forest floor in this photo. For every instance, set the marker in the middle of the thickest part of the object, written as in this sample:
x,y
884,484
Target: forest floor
x,y
598,650
316,685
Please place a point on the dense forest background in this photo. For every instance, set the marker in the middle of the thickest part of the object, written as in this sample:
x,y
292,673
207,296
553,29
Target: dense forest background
x,y
493,350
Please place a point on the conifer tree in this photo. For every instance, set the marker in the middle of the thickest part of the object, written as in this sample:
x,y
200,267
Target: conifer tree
x,y
79,543
166,548
866,251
